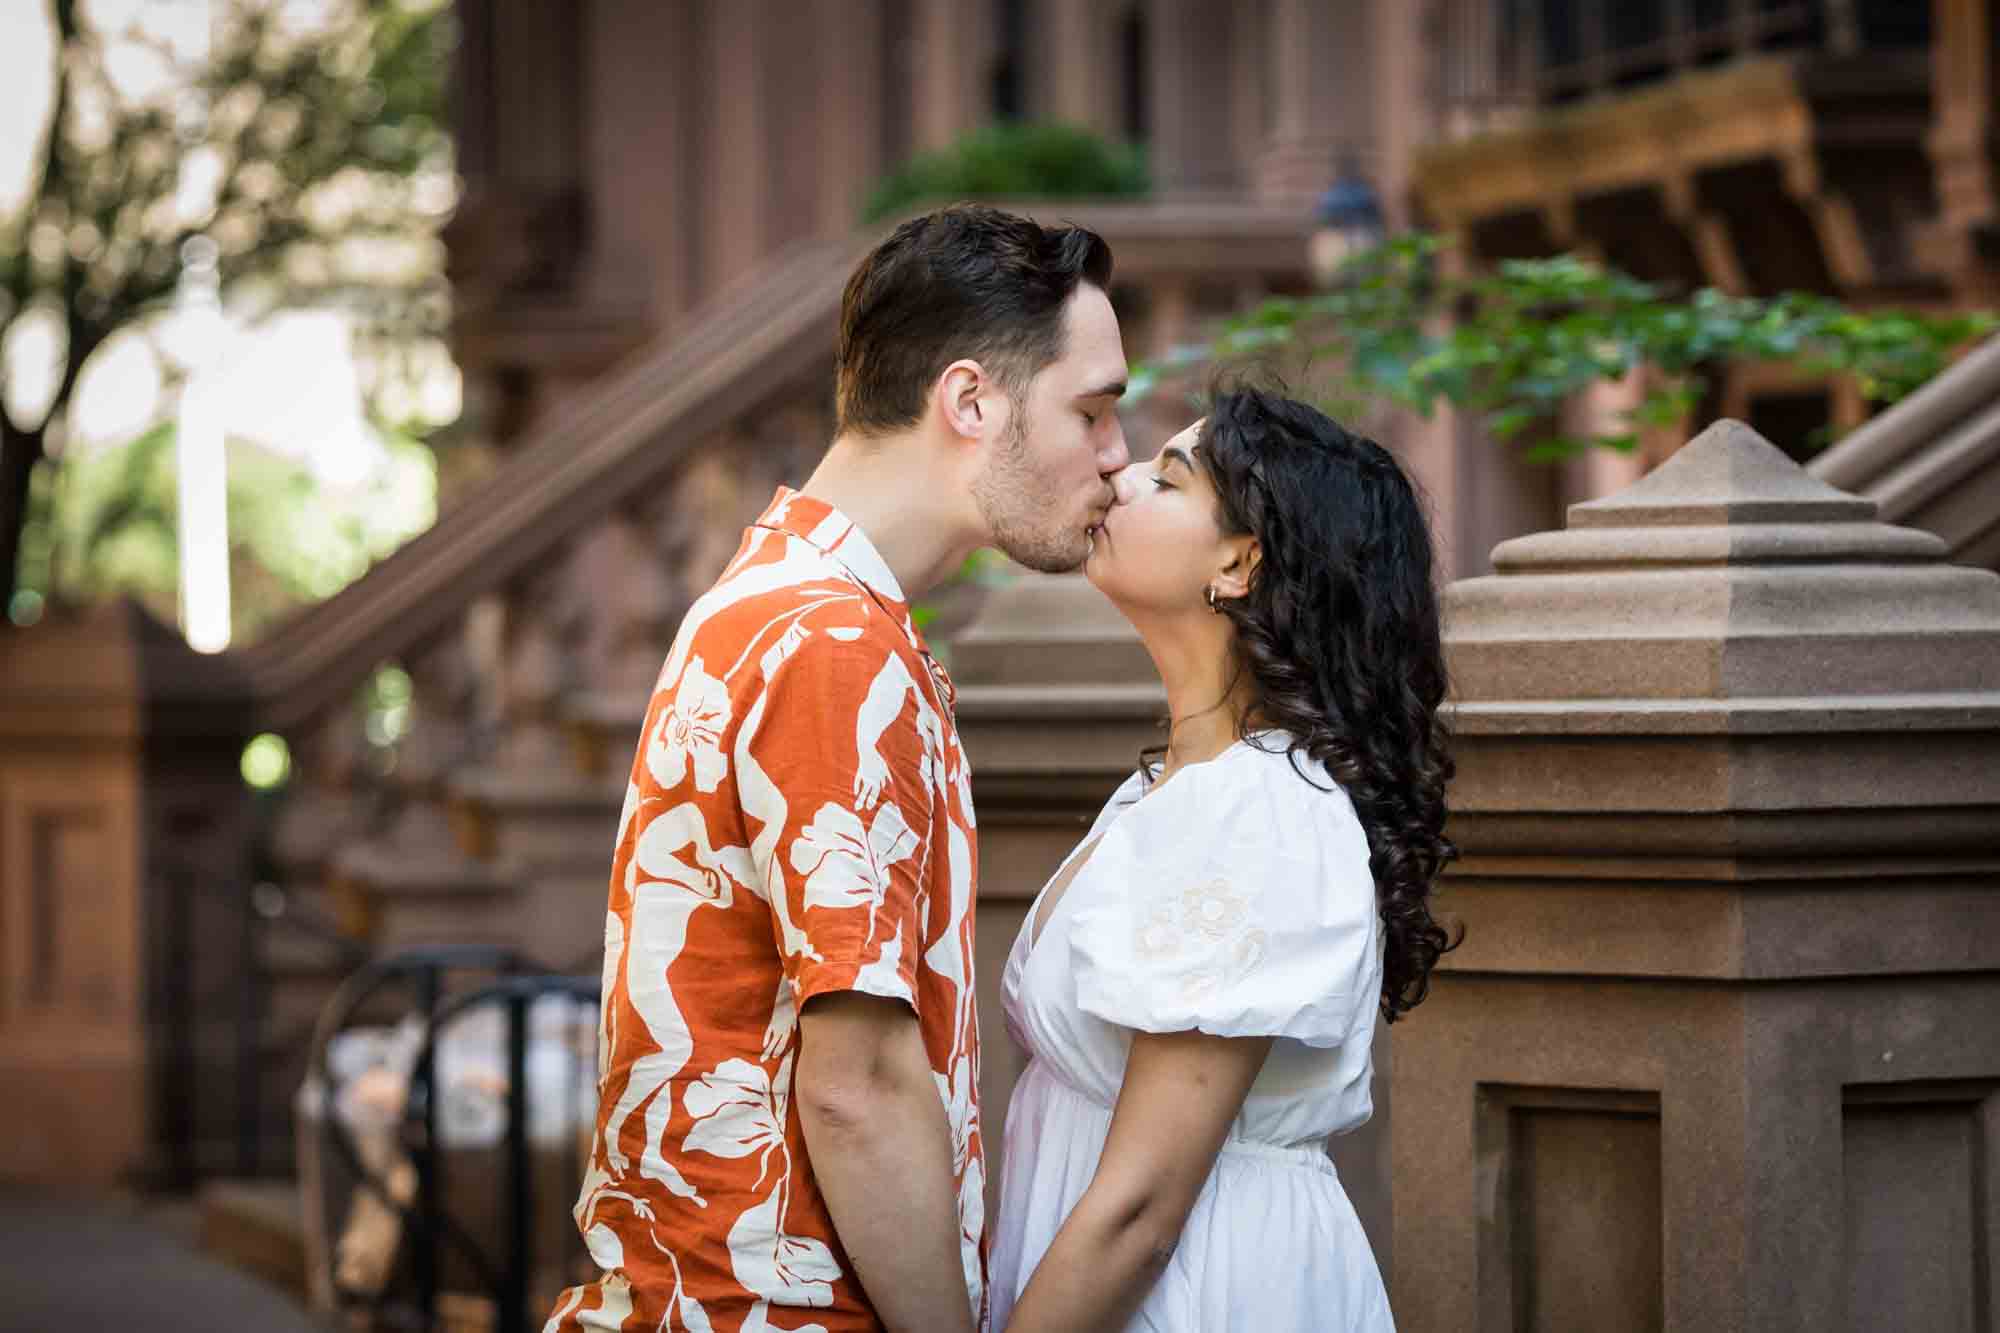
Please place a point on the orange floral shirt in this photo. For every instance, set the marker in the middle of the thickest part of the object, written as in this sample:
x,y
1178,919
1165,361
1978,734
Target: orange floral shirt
x,y
798,820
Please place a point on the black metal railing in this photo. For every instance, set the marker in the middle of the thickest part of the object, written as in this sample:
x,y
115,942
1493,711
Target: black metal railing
x,y
220,922
510,1281
1499,54
439,1249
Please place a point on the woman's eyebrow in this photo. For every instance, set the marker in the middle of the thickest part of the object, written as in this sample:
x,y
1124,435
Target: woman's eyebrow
x,y
1173,453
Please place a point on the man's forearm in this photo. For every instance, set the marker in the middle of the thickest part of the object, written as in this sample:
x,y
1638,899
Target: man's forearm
x,y
883,1158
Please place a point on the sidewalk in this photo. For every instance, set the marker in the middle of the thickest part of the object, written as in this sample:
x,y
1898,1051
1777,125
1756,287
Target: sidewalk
x,y
101,1266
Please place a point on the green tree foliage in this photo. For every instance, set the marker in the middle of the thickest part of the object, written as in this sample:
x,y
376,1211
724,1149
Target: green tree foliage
x,y
1013,161
293,540
1511,346
316,160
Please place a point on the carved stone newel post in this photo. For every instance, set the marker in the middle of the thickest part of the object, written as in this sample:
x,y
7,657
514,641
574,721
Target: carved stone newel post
x,y
1722,1048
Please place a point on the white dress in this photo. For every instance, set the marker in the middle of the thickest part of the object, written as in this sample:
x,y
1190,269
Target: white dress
x,y
1234,899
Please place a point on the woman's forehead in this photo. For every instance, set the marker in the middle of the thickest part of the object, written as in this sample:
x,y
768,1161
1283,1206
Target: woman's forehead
x,y
1188,439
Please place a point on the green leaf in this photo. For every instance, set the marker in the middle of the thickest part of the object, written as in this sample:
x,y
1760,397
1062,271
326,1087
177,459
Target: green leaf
x,y
1014,160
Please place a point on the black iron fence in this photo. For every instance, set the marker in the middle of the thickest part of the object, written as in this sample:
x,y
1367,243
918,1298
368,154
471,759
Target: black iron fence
x,y
412,1220
1495,55
221,1047
418,1210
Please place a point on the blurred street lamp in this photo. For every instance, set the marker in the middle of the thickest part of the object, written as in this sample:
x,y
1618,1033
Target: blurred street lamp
x,y
202,459
1349,215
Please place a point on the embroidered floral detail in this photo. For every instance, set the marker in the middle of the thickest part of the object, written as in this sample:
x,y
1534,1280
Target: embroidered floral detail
x,y
1206,927
1201,983
1213,908
1157,934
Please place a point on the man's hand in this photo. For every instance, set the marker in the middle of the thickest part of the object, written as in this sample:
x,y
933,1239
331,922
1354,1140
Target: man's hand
x,y
882,1154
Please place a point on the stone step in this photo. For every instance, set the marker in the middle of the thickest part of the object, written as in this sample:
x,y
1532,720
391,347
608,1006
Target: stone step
x,y
604,730
396,898
289,955
561,919
256,1226
534,823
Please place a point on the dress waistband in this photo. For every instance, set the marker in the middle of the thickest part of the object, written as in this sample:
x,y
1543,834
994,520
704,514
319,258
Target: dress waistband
x,y
1311,1157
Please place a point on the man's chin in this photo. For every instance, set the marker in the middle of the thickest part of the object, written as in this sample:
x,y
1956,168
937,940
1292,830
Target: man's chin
x,y
1050,557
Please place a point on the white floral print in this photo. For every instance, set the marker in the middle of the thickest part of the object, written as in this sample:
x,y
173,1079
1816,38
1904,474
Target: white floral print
x,y
689,732
797,822
846,863
739,1111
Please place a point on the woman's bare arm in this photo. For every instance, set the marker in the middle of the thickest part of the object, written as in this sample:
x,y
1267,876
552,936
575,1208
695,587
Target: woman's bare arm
x,y
1182,1090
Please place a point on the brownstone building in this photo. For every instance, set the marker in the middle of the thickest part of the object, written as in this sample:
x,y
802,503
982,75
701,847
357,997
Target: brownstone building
x,y
660,208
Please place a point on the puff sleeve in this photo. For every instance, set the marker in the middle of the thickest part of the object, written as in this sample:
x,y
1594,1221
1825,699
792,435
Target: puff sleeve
x,y
1236,900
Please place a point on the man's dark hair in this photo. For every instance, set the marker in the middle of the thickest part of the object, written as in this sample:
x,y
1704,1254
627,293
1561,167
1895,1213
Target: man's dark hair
x,y
964,281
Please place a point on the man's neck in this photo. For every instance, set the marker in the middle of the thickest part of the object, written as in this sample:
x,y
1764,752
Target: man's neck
x,y
916,520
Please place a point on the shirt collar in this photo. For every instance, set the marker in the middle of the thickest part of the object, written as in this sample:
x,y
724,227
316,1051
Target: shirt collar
x,y
820,525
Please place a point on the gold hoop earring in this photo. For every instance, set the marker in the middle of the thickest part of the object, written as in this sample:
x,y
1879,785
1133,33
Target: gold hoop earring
x,y
1208,595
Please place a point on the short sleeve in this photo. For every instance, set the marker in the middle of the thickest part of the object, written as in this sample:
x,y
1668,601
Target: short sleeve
x,y
1236,900
839,777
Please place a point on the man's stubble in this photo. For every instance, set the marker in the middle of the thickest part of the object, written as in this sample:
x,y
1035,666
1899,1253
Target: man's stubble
x,y
1024,512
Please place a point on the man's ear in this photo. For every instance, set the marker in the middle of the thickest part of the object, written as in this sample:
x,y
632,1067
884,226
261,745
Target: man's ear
x,y
1235,578
962,398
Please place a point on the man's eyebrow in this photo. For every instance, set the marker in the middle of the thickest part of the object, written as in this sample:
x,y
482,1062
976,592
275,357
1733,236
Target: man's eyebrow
x,y
1113,389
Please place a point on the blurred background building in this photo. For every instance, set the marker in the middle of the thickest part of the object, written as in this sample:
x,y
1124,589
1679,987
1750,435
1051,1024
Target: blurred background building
x,y
656,209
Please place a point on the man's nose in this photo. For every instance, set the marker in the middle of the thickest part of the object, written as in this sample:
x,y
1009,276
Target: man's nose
x,y
1114,458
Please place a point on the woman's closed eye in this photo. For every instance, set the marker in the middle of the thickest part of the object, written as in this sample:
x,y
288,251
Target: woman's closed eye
x,y
1161,482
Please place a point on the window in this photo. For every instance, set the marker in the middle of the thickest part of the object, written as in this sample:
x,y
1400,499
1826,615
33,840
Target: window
x,y
1133,58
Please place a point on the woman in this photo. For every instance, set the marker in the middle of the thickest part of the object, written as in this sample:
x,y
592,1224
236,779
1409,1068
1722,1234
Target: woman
x,y
1197,986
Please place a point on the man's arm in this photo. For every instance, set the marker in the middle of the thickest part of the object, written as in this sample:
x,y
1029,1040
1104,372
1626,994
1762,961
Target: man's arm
x,y
1180,1094
882,1155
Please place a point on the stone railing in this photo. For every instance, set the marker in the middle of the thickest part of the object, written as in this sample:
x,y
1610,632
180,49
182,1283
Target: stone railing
x,y
1933,460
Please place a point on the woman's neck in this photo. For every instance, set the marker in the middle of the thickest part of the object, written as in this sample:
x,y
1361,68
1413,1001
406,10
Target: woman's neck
x,y
1208,696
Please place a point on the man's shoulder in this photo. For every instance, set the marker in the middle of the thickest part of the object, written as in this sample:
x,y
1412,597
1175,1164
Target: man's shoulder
x,y
784,605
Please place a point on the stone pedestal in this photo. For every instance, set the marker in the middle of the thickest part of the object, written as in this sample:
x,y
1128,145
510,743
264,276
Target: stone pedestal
x,y
1722,1047
122,816
1056,698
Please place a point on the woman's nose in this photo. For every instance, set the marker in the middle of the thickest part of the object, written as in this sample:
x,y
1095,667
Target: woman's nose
x,y
1123,484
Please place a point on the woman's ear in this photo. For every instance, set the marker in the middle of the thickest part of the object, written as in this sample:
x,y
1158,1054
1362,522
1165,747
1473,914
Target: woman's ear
x,y
1236,577
961,398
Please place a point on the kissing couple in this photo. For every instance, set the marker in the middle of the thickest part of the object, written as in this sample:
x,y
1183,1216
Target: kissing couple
x,y
788,1134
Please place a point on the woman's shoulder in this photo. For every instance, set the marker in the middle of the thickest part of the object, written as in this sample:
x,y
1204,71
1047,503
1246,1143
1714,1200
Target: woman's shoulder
x,y
1236,900
1269,771
1260,797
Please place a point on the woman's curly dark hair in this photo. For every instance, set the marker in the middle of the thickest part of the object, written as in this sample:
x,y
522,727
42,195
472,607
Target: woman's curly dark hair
x,y
1339,635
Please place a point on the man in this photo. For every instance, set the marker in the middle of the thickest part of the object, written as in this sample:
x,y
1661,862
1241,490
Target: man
x,y
788,1128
